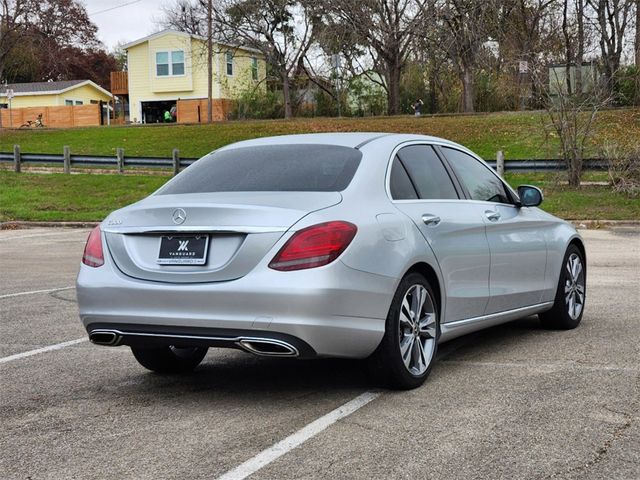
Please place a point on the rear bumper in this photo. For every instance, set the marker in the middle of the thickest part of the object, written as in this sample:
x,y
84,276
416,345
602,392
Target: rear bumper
x,y
332,311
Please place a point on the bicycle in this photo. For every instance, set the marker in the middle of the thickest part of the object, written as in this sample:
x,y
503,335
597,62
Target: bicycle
x,y
37,123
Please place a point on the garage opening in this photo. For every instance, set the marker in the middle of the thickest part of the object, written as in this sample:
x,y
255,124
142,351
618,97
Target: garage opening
x,y
154,112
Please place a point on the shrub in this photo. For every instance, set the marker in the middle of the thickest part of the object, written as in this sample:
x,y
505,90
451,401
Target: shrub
x,y
624,169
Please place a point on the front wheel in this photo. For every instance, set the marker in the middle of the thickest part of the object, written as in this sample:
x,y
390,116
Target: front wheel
x,y
568,306
169,359
405,355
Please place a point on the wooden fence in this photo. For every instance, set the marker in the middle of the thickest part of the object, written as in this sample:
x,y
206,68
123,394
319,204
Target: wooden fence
x,y
195,111
57,117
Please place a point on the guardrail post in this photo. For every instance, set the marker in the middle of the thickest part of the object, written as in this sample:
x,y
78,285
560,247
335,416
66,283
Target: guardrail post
x,y
17,159
175,156
66,152
120,159
500,163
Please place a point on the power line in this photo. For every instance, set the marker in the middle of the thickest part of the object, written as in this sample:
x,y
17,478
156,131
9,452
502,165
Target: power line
x,y
113,8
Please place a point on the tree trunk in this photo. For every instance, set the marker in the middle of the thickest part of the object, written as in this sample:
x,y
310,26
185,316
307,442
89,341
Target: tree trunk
x,y
433,94
567,46
468,94
575,171
637,36
393,89
210,61
580,46
286,96
637,102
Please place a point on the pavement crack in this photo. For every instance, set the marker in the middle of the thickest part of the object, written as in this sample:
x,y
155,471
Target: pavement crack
x,y
58,296
616,435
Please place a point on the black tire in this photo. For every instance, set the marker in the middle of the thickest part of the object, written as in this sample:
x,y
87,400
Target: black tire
x,y
169,359
560,317
386,364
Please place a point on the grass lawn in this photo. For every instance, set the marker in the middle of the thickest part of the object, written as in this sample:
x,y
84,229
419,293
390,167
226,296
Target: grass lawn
x,y
518,134
87,197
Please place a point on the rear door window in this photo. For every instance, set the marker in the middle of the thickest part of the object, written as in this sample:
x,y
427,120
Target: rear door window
x,y
400,183
426,172
269,168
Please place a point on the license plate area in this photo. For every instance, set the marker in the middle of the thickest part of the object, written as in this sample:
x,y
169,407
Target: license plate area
x,y
183,249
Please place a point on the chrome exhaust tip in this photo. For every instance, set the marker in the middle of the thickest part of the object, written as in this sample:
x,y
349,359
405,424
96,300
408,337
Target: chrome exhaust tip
x,y
268,347
107,338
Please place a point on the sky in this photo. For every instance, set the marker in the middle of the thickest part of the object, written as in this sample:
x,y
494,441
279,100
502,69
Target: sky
x,y
124,20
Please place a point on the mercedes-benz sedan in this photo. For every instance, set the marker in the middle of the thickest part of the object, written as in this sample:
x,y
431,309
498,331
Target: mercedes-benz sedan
x,y
359,245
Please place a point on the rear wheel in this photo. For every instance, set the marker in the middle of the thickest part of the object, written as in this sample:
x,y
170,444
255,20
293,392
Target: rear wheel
x,y
405,355
169,359
568,307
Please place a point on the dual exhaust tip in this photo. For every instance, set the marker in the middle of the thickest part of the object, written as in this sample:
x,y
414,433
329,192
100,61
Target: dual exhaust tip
x,y
266,347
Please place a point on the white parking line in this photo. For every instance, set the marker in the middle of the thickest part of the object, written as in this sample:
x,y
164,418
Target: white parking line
x,y
50,348
48,290
296,439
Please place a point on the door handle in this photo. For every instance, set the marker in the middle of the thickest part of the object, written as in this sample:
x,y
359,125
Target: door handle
x,y
492,215
431,220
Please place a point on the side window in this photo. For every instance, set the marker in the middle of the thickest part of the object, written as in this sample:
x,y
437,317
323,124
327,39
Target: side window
x,y
427,173
400,184
481,182
229,60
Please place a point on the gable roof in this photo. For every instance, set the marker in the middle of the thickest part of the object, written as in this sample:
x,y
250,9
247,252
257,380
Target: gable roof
x,y
170,31
47,88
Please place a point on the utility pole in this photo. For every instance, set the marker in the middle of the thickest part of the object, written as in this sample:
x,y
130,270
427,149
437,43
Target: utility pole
x,y
209,61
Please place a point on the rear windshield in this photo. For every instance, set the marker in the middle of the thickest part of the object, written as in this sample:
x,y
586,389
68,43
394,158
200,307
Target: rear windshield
x,y
273,168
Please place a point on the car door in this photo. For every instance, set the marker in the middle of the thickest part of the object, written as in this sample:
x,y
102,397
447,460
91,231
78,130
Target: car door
x,y
424,188
515,235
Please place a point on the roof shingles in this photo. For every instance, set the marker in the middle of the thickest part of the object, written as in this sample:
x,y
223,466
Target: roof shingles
x,y
39,87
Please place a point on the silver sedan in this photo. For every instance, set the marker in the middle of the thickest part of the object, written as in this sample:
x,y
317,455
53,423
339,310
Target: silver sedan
x,y
358,245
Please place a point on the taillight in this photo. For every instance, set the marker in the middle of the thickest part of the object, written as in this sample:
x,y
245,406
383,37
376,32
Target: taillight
x,y
314,246
93,255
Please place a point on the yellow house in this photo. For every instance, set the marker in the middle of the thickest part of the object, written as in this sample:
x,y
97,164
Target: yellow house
x,y
53,94
171,66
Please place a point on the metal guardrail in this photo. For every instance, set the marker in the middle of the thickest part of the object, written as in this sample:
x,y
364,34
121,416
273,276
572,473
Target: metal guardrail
x,y
95,160
529,165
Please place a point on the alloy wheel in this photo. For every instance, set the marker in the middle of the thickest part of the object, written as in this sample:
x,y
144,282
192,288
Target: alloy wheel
x,y
417,329
574,287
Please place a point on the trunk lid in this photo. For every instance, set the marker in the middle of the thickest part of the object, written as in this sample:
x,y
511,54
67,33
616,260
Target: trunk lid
x,y
242,228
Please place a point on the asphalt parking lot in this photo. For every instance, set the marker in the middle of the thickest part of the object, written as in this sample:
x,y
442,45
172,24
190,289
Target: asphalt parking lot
x,y
514,401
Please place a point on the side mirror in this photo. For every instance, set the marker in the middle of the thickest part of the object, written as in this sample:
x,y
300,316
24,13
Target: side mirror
x,y
530,196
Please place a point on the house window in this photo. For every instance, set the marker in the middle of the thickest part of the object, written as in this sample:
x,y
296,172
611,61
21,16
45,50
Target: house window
x,y
177,62
170,63
162,64
79,102
68,102
254,68
229,63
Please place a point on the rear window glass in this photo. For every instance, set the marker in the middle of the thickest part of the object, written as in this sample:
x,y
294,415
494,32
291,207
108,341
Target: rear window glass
x,y
273,168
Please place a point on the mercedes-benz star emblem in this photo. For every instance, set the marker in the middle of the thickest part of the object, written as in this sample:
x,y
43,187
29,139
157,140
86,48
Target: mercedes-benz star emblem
x,y
179,216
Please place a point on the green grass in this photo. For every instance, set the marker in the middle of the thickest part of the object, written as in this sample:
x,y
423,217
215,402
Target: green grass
x,y
87,197
60,197
518,134
589,202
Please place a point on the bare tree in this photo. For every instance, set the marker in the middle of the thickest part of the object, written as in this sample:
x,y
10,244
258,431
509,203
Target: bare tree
x,y
612,20
469,24
385,30
282,30
187,16
13,25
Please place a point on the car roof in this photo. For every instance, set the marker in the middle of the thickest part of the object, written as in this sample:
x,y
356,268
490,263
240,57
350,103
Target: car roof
x,y
345,139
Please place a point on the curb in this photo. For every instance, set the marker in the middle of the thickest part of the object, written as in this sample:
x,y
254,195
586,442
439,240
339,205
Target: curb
x,y
18,225
582,224
605,224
